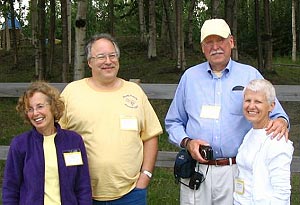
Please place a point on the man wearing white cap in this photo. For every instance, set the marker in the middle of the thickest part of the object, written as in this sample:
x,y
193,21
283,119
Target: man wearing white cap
x,y
207,110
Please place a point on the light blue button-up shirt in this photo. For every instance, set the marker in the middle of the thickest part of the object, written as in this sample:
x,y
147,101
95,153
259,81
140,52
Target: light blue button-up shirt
x,y
200,87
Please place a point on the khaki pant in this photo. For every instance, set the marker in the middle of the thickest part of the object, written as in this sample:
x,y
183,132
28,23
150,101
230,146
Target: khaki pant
x,y
217,189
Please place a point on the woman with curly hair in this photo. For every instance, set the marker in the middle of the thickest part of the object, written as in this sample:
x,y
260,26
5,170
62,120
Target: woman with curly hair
x,y
47,164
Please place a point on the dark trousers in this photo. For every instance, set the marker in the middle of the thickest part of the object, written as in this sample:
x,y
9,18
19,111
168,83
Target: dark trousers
x,y
135,197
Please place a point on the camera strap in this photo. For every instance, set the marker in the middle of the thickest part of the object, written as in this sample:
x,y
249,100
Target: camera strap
x,y
196,179
205,172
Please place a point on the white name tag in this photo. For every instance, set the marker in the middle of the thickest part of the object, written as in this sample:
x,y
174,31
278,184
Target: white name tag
x,y
128,123
239,186
210,111
73,158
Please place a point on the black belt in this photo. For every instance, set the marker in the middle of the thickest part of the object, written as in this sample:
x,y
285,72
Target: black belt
x,y
221,162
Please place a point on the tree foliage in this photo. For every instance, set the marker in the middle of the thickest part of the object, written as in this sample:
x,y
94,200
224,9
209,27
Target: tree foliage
x,y
125,21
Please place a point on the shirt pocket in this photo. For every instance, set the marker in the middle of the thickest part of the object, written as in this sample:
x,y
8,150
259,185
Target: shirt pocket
x,y
236,102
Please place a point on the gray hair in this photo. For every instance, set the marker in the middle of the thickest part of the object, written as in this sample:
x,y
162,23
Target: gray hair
x,y
264,86
95,38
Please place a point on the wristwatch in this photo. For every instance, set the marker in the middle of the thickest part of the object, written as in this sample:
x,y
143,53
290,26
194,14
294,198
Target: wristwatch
x,y
185,142
149,174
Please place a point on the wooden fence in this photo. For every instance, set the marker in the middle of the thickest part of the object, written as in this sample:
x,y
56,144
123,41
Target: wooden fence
x,y
156,91
153,91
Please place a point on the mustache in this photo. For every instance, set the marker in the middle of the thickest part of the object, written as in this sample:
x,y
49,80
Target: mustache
x,y
216,52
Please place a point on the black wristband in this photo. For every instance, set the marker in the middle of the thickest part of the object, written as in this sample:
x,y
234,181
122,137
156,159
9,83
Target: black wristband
x,y
187,142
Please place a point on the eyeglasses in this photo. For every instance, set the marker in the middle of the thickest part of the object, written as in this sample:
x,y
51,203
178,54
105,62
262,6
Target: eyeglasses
x,y
103,57
38,108
211,43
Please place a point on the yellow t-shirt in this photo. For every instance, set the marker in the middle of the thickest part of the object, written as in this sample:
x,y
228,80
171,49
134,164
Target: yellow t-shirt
x,y
114,125
52,190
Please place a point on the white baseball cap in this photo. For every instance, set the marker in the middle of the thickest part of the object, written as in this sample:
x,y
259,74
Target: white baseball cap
x,y
217,27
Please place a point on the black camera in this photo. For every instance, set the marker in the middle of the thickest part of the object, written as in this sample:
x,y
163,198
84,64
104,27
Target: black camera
x,y
206,152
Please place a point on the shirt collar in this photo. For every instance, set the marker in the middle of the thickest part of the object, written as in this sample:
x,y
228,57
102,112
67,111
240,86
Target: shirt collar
x,y
225,72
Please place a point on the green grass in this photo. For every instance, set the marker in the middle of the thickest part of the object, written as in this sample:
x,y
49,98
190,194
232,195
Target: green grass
x,y
295,199
10,122
163,190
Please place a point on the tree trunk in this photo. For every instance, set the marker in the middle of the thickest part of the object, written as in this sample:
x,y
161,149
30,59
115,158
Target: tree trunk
x,y
80,35
34,34
190,24
216,11
152,31
268,37
13,32
164,32
231,19
7,35
64,18
297,8
51,42
181,64
111,17
294,54
171,28
258,36
42,39
69,17
143,32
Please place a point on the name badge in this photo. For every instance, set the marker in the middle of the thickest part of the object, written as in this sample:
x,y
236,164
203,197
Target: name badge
x,y
239,186
129,123
73,157
210,111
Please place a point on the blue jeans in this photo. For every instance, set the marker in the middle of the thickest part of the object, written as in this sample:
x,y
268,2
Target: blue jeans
x,y
135,197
